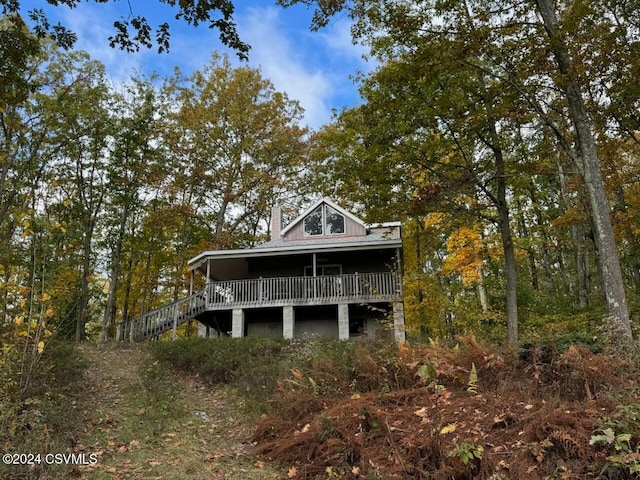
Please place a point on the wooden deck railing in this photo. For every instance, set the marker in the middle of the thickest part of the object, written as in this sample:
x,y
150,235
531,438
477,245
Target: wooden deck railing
x,y
359,287
263,292
160,320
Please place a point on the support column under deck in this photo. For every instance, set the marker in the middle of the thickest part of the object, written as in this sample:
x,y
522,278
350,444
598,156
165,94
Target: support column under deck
x,y
398,322
288,322
343,321
204,331
237,323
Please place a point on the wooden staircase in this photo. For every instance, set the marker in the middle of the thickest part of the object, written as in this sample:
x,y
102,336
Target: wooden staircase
x,y
155,322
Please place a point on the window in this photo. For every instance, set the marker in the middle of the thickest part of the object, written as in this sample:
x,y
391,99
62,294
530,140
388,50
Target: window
x,y
313,222
323,270
324,220
334,221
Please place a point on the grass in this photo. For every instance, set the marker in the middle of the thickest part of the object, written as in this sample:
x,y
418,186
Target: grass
x,y
251,365
154,424
134,415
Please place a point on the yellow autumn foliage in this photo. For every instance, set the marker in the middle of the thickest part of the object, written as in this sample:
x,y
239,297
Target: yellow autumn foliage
x,y
465,257
434,219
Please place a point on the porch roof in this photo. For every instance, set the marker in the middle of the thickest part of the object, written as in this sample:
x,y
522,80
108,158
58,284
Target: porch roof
x,y
278,247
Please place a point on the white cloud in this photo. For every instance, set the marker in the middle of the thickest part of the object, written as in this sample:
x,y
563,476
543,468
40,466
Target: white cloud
x,y
286,62
337,38
88,22
311,67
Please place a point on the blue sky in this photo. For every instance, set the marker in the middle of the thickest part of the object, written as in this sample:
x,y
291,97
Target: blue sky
x,y
311,67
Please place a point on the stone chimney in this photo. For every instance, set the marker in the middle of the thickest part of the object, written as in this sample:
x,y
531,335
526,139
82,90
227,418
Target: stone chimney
x,y
276,222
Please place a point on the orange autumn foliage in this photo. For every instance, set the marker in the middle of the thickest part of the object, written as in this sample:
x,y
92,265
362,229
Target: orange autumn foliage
x,y
464,248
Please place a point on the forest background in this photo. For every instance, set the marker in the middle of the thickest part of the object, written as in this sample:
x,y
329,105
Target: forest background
x,y
503,136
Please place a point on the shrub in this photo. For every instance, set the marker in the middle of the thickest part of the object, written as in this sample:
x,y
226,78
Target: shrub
x,y
550,348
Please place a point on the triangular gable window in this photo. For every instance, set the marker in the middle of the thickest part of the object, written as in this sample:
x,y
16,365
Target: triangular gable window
x,y
324,220
313,222
334,221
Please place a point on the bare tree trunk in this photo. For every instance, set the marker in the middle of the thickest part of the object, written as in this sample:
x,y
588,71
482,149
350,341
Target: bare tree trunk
x,y
509,263
504,222
546,260
504,218
581,253
146,292
110,310
579,238
525,233
127,290
83,307
589,166
482,292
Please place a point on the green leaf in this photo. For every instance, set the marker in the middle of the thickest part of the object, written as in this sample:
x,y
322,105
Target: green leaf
x,y
426,372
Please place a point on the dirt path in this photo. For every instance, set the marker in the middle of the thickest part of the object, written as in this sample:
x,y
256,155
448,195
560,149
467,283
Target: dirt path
x,y
144,422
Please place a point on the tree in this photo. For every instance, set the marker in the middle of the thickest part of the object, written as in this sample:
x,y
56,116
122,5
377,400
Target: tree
x,y
234,143
88,172
18,50
226,145
133,31
79,101
588,162
22,138
133,167
531,50
431,114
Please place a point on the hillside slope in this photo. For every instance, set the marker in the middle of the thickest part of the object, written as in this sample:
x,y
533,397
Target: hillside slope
x,y
144,422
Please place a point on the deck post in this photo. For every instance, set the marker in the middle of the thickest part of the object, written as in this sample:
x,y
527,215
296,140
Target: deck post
x,y
398,322
343,321
288,322
174,334
237,323
357,285
398,277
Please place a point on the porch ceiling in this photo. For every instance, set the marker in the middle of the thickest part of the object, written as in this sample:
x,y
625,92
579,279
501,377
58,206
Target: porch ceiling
x,y
228,264
226,268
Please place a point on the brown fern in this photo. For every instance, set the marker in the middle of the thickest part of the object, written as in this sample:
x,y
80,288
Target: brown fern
x,y
563,440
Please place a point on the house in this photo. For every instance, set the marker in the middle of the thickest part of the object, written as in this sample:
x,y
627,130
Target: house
x,y
326,273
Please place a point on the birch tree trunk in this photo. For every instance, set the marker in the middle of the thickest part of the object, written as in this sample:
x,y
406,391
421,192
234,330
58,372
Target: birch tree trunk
x,y
482,292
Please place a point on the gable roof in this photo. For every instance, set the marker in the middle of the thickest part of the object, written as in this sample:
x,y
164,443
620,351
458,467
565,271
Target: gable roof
x,y
315,205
